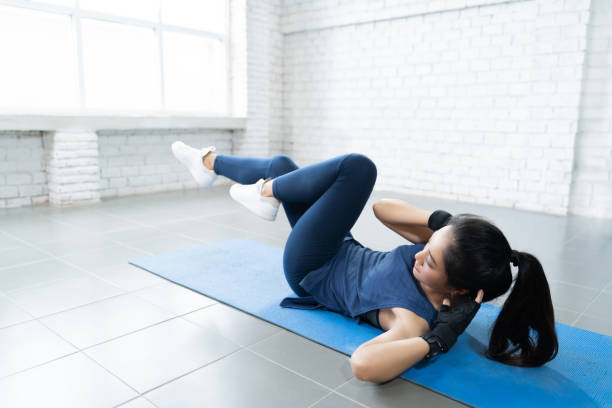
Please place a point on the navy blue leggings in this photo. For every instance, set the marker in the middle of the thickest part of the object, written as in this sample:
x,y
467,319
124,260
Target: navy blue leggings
x,y
322,202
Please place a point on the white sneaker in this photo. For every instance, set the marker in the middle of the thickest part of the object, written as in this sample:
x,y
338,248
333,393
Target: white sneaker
x,y
192,159
250,196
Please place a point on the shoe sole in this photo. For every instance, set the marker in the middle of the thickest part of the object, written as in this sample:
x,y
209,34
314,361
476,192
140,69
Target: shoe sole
x,y
175,147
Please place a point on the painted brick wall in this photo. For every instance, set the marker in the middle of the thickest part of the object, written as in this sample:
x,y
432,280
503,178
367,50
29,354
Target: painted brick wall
x,y
592,177
23,180
263,134
140,161
131,162
483,99
469,100
71,163
238,58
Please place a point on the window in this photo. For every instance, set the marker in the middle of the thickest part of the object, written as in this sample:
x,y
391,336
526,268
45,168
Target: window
x,y
39,64
115,56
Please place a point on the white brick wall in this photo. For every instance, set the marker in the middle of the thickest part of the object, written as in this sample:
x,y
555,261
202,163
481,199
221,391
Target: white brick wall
x,y
263,134
141,161
476,100
72,167
468,100
23,180
238,57
592,178
115,163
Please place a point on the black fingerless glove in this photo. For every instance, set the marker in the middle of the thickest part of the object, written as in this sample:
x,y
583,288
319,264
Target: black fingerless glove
x,y
449,325
438,219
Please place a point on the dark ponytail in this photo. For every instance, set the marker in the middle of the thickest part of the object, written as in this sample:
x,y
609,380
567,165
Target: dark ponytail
x,y
479,257
527,311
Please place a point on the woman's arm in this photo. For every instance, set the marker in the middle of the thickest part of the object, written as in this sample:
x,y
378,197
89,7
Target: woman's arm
x,y
381,360
407,220
391,353
388,360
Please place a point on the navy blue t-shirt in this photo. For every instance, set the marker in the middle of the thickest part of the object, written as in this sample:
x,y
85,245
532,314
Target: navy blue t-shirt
x,y
358,279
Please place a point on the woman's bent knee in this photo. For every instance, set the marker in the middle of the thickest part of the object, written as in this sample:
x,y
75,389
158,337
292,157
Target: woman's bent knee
x,y
282,164
361,163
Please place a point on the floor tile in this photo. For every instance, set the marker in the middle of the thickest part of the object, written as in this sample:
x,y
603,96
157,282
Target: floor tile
x,y
174,298
97,221
267,239
233,324
29,344
11,314
76,215
128,277
336,401
396,393
601,307
135,234
62,295
589,272
262,384
25,217
571,297
98,259
36,274
104,320
7,242
165,243
174,208
71,382
153,217
40,230
248,221
576,253
204,231
76,244
138,403
595,324
310,359
155,355
20,255
565,316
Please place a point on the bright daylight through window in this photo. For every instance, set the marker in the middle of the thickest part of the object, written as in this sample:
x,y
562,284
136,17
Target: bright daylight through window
x,y
114,56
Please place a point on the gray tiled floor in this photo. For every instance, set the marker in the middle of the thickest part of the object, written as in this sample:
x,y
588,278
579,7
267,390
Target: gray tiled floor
x,y
81,327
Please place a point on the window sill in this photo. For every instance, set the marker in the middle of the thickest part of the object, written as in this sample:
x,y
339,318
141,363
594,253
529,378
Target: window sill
x,y
56,122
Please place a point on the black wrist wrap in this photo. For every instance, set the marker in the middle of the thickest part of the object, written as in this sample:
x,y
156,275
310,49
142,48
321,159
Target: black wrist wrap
x,y
438,219
449,325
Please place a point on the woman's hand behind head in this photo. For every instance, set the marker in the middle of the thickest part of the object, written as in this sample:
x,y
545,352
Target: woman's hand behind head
x,y
451,322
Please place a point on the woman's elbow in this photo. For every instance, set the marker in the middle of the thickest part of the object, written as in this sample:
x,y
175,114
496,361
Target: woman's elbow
x,y
359,369
364,373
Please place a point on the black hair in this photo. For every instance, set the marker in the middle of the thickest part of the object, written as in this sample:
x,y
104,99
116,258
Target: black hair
x,y
479,257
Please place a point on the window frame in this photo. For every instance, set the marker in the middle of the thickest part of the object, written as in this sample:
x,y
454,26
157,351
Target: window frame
x,y
107,118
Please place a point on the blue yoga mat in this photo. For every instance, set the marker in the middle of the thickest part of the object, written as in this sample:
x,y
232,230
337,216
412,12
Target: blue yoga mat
x,y
248,275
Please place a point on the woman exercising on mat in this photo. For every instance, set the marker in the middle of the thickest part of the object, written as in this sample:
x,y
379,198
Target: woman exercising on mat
x,y
423,295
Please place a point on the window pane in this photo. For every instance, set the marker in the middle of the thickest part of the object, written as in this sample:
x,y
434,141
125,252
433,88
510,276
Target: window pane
x,y
195,74
141,9
38,65
67,3
206,15
121,65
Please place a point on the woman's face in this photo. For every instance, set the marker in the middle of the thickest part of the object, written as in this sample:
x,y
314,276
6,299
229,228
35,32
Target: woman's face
x,y
429,263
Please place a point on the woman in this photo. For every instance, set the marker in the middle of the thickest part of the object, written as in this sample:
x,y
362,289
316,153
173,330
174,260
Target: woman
x,y
423,295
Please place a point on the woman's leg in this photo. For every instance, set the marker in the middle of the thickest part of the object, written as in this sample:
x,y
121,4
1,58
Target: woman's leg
x,y
322,202
247,170
335,191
